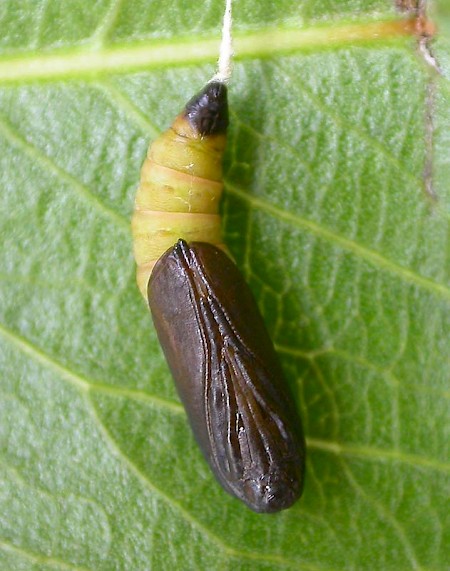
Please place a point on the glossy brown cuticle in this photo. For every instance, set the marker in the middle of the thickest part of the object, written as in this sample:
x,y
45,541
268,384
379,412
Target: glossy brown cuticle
x,y
228,375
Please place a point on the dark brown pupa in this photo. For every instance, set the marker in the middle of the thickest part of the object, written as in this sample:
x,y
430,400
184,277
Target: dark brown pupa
x,y
228,375
223,362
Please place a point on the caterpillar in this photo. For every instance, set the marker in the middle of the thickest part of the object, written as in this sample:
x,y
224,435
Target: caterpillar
x,y
181,182
224,364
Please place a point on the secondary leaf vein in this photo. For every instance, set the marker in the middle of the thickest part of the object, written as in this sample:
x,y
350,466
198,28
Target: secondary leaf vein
x,y
360,251
39,559
36,154
187,516
77,380
85,385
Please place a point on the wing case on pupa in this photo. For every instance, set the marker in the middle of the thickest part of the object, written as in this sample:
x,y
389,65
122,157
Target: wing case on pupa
x,y
228,375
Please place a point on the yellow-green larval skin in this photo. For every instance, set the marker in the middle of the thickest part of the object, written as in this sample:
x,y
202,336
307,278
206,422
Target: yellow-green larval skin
x,y
178,195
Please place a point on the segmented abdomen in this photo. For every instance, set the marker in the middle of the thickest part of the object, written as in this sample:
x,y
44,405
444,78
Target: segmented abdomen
x,y
178,196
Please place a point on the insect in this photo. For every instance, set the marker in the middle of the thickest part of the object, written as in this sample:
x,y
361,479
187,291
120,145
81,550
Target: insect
x,y
223,362
181,182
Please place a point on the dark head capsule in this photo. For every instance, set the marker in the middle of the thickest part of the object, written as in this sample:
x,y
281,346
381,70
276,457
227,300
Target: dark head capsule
x,y
228,375
207,111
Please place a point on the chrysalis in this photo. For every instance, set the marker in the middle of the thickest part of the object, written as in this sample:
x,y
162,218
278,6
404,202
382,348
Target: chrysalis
x,y
228,375
223,362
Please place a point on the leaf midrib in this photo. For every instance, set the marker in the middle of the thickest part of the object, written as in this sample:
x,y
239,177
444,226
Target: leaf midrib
x,y
95,59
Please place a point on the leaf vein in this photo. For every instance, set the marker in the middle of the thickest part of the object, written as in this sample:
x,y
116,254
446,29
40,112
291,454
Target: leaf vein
x,y
187,516
77,380
104,28
36,154
349,127
361,361
375,258
377,454
386,516
38,558
126,105
85,386
90,62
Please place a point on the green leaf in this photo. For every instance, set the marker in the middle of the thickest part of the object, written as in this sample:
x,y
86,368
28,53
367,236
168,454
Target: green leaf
x,y
336,209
